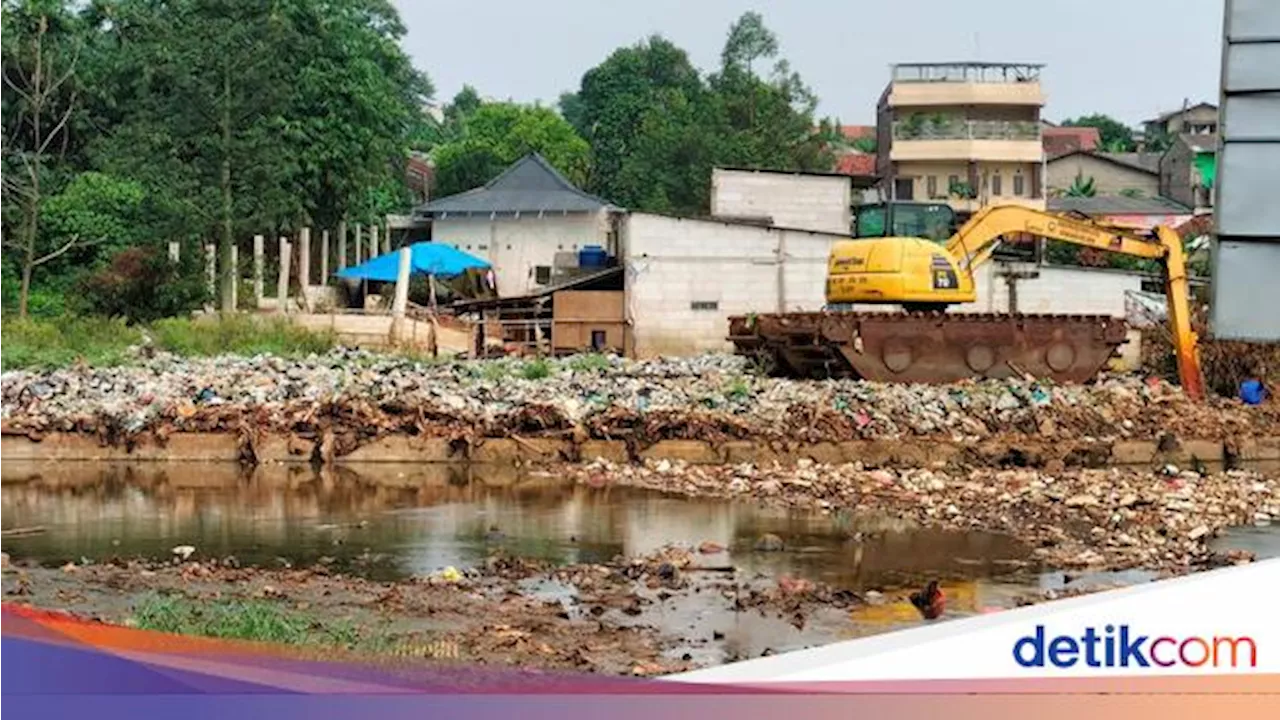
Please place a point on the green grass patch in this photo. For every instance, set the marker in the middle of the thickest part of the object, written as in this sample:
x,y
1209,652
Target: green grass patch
x,y
587,362
59,342
238,335
241,620
535,369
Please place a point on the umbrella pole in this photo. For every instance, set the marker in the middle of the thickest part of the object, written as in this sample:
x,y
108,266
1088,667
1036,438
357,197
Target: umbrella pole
x,y
431,284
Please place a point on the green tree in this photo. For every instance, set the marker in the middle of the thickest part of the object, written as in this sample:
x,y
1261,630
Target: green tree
x,y
258,114
355,104
749,40
1115,135
865,144
42,42
497,134
651,122
656,126
770,122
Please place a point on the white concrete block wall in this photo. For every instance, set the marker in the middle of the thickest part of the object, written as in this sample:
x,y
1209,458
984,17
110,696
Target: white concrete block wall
x,y
809,202
672,263
517,245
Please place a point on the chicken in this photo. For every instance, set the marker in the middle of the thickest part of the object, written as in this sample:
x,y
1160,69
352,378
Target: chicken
x,y
930,601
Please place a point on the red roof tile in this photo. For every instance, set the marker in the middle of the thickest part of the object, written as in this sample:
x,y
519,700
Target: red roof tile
x,y
853,132
1062,140
857,164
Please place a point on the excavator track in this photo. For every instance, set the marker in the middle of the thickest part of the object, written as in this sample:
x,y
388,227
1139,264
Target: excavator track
x,y
933,347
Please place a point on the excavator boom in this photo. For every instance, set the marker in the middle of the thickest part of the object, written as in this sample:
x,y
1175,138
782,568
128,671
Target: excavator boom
x,y
932,346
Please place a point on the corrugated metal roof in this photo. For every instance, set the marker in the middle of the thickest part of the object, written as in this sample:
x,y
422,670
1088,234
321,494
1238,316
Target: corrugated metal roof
x,y
1117,205
530,185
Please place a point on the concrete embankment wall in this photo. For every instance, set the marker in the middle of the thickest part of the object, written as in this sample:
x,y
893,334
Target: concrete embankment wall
x,y
916,452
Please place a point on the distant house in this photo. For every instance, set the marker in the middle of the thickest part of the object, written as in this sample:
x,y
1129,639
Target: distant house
x,y
1200,119
1188,170
1063,139
419,175
1112,173
530,223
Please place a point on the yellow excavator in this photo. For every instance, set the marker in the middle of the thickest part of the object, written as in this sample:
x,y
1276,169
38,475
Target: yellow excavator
x,y
912,255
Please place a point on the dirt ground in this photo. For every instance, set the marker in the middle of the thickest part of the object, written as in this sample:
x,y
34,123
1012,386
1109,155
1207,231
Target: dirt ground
x,y
586,618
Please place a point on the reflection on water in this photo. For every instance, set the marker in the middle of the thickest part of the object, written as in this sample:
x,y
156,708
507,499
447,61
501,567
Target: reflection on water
x,y
391,521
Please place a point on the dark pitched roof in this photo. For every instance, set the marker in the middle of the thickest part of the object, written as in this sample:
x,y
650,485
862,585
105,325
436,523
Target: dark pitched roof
x,y
1142,162
529,185
1117,205
1168,114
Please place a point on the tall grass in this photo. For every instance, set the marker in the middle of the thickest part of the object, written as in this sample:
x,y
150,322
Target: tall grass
x,y
238,335
31,343
58,342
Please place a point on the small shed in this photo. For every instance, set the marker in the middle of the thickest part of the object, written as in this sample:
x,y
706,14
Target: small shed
x,y
585,313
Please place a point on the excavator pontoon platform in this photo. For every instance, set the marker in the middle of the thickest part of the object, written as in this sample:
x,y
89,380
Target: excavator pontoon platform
x,y
928,347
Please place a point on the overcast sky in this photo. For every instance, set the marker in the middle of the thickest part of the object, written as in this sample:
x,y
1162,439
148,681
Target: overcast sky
x,y
1127,58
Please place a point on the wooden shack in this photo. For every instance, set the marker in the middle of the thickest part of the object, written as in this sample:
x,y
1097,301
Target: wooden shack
x,y
583,314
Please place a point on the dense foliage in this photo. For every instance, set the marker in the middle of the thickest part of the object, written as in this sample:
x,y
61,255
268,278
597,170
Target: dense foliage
x,y
133,123
656,125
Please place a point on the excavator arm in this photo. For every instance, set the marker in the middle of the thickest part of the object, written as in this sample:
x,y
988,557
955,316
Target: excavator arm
x,y
977,239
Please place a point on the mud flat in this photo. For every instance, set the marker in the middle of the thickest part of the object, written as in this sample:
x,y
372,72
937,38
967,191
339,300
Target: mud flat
x,y
572,567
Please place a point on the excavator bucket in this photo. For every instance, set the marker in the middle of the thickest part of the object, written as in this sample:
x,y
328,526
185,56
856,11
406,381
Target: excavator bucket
x,y
928,347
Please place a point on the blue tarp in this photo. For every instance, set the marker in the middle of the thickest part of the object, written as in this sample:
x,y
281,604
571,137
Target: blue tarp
x,y
426,259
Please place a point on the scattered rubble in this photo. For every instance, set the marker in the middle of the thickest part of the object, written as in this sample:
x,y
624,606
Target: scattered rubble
x,y
1105,519
356,395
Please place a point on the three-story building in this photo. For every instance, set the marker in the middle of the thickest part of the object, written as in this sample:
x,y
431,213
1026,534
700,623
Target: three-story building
x,y
965,133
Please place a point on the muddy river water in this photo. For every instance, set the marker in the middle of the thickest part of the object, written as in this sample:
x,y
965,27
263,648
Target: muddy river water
x,y
388,522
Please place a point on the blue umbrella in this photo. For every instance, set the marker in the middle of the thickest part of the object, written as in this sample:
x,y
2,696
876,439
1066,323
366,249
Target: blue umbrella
x,y
426,258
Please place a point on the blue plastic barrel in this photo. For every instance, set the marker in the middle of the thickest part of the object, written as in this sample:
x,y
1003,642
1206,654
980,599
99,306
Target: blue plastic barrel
x,y
592,256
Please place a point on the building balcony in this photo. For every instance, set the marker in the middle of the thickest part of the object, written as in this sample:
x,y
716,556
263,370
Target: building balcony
x,y
966,84
921,128
1015,151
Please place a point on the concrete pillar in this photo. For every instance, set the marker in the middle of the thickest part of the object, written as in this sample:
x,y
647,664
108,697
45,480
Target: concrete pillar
x,y
324,257
375,242
211,268
282,285
175,249
359,240
386,244
401,301
235,277
258,251
304,259
342,245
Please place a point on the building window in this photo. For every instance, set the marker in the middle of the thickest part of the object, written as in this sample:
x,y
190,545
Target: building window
x,y
704,305
482,247
953,182
508,247
932,186
542,274
1019,185
997,186
904,188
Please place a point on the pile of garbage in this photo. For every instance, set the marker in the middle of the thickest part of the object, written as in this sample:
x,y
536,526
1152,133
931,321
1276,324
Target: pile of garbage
x,y
708,397
1104,519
